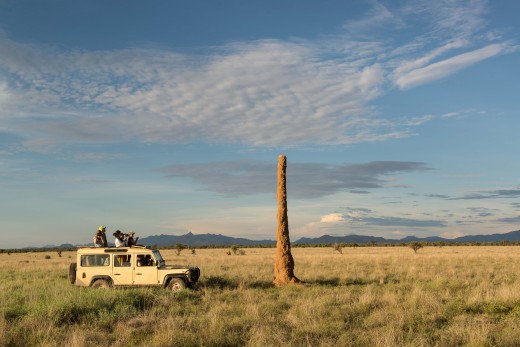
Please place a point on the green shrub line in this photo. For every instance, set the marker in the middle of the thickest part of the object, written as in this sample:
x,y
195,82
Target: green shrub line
x,y
178,246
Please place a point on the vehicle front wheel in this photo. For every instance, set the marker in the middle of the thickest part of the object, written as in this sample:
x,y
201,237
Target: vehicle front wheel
x,y
104,284
176,285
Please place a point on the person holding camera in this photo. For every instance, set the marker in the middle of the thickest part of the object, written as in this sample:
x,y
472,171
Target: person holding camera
x,y
120,239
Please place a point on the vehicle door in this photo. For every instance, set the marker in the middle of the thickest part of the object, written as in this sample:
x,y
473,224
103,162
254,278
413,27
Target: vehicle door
x,y
122,271
145,272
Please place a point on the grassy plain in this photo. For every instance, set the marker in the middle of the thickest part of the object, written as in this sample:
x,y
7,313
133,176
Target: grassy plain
x,y
373,296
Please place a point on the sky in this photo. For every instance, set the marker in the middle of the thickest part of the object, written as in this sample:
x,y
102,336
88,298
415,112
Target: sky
x,y
397,118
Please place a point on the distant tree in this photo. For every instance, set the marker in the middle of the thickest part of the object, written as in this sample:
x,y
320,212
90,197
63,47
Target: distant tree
x,y
415,245
59,254
440,244
178,248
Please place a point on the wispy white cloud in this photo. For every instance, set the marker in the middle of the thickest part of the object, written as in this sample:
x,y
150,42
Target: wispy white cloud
x,y
408,66
258,93
448,66
377,17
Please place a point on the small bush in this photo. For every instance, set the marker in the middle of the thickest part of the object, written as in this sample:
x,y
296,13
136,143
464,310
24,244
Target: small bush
x,y
337,248
47,257
236,250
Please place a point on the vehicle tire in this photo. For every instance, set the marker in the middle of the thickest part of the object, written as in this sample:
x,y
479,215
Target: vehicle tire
x,y
176,284
72,272
101,283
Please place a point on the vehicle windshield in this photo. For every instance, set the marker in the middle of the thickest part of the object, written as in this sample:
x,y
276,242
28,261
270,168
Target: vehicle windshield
x,y
158,257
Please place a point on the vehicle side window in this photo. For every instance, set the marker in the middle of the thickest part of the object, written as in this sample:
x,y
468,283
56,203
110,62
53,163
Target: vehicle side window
x,y
122,260
95,260
144,260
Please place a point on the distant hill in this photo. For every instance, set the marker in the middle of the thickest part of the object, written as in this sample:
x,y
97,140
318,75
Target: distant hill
x,y
511,236
360,239
198,240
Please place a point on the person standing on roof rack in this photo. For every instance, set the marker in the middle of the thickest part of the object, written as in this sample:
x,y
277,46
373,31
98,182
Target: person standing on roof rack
x,y
100,238
120,239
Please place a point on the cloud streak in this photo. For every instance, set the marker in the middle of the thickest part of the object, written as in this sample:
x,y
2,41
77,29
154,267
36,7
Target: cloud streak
x,y
449,66
304,180
385,221
490,194
510,220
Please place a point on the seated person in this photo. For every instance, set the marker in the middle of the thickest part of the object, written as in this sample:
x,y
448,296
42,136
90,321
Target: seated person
x,y
120,239
100,238
144,260
130,239
140,260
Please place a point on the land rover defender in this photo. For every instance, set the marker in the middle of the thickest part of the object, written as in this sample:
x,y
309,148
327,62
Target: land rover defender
x,y
128,267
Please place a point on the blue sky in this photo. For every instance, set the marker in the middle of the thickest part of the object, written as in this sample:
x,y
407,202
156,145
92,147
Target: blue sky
x,y
397,118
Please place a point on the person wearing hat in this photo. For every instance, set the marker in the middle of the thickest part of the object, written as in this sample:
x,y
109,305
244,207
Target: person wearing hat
x,y
120,238
100,238
130,239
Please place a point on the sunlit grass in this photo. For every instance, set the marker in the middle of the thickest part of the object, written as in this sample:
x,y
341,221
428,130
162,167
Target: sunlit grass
x,y
372,296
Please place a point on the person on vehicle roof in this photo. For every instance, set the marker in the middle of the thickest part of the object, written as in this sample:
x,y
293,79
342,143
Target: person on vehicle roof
x,y
130,241
100,238
120,239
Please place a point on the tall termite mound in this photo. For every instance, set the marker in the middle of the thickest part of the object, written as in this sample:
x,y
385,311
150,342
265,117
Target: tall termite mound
x,y
284,265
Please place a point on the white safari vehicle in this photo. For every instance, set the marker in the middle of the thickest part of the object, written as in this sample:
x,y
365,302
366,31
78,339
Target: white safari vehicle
x,y
128,267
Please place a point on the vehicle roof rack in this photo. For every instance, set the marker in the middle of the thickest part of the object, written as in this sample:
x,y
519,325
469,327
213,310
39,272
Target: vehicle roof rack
x,y
116,250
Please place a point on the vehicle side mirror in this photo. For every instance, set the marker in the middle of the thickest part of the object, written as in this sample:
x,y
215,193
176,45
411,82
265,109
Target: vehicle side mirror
x,y
157,263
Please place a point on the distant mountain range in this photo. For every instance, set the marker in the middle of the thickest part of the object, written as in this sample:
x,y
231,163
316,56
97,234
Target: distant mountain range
x,y
199,240
360,239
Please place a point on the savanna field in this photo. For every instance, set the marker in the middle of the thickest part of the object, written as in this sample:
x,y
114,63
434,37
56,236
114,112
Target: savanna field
x,y
367,296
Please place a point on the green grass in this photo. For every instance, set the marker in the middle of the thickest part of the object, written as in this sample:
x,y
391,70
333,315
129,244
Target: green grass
x,y
460,296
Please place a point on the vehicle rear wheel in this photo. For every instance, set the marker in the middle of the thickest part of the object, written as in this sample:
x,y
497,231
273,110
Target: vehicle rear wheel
x,y
72,272
176,284
101,283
